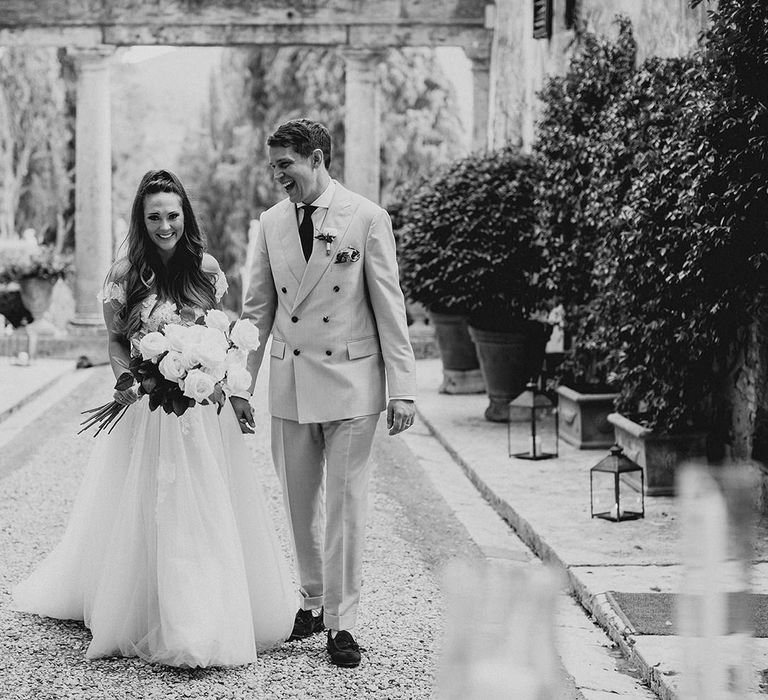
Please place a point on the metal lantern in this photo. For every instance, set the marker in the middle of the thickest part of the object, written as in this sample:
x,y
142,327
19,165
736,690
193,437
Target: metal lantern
x,y
615,491
543,437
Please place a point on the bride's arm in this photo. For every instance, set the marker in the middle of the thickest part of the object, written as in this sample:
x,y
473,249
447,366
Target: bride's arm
x,y
118,346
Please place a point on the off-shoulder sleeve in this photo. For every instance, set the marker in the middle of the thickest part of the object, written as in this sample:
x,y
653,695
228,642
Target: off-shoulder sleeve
x,y
221,284
113,289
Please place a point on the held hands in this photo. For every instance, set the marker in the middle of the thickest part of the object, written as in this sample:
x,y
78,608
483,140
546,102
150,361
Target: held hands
x,y
244,414
400,415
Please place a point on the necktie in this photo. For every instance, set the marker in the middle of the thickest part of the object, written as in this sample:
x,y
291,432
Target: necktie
x,y
307,231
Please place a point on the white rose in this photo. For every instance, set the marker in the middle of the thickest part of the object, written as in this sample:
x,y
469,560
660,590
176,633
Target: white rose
x,y
238,380
171,366
209,354
217,371
214,336
152,345
245,335
211,347
198,385
218,320
177,336
195,334
236,358
190,357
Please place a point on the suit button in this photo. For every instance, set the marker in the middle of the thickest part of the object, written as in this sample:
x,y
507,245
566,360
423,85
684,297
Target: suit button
x,y
297,352
326,319
328,352
336,288
283,290
295,319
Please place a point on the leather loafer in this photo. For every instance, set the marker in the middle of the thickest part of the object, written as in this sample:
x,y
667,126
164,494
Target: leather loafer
x,y
306,624
343,649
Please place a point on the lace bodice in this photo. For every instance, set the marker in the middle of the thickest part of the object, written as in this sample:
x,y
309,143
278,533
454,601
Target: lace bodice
x,y
156,314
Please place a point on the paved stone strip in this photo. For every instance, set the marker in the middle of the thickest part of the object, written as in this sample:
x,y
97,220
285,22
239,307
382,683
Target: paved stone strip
x,y
594,667
21,384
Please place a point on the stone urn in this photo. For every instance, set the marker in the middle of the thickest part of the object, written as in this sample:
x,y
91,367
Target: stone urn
x,y
36,294
461,368
509,359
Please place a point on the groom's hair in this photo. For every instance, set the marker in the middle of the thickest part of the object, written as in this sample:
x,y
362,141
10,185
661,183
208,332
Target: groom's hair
x,y
303,136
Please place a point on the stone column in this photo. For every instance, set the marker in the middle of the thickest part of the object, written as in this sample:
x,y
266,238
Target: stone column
x,y
362,144
481,66
93,183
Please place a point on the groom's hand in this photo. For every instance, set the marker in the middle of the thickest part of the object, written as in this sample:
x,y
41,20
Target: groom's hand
x,y
400,415
243,413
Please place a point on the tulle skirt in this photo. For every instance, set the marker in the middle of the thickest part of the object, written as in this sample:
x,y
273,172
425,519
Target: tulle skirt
x,y
170,553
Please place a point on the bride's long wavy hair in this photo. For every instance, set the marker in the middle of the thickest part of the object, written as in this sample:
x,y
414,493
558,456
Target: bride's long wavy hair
x,y
182,280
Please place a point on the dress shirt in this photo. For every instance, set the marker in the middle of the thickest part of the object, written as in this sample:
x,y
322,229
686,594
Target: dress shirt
x,y
321,203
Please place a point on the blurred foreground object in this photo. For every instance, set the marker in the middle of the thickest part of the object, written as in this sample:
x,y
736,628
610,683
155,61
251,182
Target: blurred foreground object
x,y
714,614
499,638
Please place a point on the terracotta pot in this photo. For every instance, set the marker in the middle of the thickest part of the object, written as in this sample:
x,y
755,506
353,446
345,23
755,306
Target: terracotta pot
x,y
584,418
461,368
508,360
658,454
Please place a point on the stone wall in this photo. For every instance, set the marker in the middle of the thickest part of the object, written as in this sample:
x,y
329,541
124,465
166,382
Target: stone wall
x,y
520,63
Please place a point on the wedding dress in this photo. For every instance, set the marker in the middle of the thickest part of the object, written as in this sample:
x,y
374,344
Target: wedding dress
x,y
170,553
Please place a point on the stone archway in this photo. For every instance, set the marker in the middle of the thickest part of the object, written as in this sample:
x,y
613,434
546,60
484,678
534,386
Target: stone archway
x,y
364,28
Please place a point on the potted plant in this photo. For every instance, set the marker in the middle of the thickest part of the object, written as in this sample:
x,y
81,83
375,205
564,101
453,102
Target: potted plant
x,y
663,317
468,244
35,268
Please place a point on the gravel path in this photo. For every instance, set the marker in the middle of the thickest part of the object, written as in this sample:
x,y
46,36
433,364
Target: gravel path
x,y
412,533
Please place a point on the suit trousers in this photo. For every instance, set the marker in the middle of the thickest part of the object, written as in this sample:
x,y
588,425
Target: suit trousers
x,y
325,471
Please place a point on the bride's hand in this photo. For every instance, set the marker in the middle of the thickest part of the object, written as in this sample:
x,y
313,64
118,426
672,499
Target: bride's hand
x,y
126,396
243,413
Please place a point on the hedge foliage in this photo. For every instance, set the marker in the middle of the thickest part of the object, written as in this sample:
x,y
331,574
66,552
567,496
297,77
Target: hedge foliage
x,y
466,238
643,210
570,124
661,259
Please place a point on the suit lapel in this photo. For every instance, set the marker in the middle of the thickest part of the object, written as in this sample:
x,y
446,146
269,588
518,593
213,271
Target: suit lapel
x,y
289,240
336,222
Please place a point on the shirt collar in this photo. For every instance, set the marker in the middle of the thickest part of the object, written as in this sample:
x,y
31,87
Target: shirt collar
x,y
324,200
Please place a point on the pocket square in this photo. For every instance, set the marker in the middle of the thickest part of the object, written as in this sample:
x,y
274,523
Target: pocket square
x,y
347,255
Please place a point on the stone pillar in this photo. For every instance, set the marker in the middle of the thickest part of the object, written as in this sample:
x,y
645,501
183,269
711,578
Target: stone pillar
x,y
362,144
93,183
481,66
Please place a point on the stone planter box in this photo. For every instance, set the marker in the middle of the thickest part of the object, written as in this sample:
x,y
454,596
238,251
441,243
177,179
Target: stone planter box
x,y
584,418
658,454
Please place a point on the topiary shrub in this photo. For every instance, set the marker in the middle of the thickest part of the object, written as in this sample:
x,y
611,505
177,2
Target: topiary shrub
x,y
467,242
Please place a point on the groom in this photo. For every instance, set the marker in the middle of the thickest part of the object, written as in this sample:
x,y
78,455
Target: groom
x,y
324,282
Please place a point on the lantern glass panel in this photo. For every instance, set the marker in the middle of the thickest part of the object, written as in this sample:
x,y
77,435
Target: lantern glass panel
x,y
535,438
617,495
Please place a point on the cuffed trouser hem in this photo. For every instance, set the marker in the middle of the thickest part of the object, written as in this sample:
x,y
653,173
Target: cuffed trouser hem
x,y
314,602
340,622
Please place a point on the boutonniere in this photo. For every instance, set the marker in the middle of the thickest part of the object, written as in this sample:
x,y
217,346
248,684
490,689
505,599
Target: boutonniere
x,y
327,237
347,255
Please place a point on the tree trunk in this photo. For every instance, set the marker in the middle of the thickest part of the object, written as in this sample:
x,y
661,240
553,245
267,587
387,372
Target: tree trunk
x,y
749,396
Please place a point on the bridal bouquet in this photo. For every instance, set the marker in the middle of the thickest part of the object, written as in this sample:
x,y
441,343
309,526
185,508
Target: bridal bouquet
x,y
180,365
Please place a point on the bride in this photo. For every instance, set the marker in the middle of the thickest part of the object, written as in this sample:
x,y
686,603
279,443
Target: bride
x,y
169,553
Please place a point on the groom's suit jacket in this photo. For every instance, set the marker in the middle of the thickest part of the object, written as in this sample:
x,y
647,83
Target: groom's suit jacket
x,y
339,333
